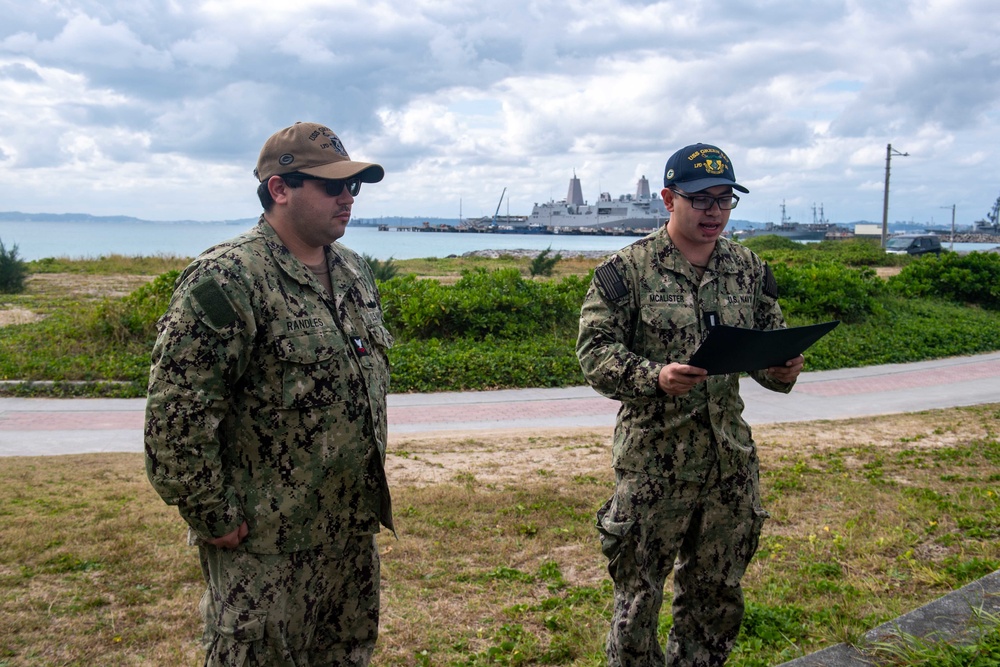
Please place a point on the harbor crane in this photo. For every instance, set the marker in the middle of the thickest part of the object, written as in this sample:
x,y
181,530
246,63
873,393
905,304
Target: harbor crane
x,y
494,223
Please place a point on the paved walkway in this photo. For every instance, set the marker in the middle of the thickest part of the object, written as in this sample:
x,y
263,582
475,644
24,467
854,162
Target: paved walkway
x,y
40,426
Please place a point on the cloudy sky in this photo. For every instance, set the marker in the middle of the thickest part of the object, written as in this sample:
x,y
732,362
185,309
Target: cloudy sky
x,y
158,108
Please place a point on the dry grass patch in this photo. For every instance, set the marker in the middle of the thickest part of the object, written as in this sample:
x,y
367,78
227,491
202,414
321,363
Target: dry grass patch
x,y
11,316
85,286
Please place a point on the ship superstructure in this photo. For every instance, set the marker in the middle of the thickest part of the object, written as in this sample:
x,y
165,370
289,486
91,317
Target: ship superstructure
x,y
639,211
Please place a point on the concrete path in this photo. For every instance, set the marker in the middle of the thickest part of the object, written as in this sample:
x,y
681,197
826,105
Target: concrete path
x,y
39,426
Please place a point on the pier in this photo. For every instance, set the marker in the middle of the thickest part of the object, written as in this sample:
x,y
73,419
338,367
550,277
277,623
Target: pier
x,y
512,229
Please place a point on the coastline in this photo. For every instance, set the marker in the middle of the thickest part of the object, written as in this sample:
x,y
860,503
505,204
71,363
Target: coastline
x,y
526,252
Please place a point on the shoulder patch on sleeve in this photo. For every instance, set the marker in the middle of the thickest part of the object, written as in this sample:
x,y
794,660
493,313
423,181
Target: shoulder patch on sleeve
x,y
609,281
212,299
770,286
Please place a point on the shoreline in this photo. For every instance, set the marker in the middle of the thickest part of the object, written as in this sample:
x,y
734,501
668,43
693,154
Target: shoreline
x,y
497,253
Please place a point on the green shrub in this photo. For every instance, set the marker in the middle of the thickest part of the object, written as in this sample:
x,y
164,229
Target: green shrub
x,y
828,291
966,279
848,252
13,271
134,317
542,264
482,303
905,330
858,252
466,365
382,271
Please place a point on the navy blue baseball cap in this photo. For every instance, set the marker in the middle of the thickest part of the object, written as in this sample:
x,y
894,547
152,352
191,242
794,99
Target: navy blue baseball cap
x,y
698,167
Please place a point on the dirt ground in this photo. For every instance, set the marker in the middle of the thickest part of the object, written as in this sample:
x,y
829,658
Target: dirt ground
x,y
505,457
886,271
78,286
86,286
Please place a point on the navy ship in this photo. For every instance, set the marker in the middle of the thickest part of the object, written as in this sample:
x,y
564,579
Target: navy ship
x,y
797,231
641,211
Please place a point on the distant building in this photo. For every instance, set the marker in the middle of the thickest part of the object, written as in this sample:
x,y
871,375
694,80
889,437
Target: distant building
x,y
868,229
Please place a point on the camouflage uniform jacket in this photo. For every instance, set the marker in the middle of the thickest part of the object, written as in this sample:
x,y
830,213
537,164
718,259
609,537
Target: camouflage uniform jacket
x,y
267,397
646,308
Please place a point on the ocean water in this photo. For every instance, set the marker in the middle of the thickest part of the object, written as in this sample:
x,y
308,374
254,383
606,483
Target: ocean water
x,y
38,239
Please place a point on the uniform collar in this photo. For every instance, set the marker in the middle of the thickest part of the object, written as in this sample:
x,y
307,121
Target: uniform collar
x,y
336,258
720,261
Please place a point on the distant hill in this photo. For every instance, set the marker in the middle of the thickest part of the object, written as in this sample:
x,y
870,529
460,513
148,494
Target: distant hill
x,y
17,216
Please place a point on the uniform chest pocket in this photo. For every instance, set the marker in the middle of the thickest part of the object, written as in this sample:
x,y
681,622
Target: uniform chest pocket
x,y
379,342
670,332
737,310
668,316
316,368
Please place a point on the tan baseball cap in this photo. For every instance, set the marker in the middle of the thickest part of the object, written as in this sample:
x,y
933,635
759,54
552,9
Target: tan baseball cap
x,y
311,149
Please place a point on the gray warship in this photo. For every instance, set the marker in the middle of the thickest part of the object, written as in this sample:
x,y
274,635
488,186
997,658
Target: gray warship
x,y
641,211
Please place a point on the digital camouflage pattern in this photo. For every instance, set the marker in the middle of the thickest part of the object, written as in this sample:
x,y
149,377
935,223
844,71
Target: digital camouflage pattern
x,y
642,529
312,608
656,316
686,466
267,398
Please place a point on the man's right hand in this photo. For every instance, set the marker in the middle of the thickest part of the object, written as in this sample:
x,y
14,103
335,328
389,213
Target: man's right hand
x,y
233,539
678,379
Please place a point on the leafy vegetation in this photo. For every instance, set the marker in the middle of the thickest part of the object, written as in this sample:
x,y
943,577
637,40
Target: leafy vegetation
x,y
852,252
970,279
484,324
382,270
134,317
826,290
543,264
482,303
13,270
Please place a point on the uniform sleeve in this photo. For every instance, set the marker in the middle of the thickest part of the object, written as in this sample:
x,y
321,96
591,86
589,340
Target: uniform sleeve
x,y
767,316
607,327
199,354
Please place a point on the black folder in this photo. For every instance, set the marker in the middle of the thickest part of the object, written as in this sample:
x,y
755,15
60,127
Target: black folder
x,y
733,350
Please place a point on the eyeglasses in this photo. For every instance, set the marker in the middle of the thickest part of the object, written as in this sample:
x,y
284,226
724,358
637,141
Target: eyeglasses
x,y
704,202
333,186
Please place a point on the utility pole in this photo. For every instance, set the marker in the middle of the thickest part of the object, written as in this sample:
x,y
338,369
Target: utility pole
x,y
952,207
889,152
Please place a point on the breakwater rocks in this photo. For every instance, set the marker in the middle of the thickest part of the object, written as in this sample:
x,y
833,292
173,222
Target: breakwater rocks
x,y
521,252
973,238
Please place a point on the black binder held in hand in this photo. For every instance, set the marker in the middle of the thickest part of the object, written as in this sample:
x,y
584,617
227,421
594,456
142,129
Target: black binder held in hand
x,y
734,350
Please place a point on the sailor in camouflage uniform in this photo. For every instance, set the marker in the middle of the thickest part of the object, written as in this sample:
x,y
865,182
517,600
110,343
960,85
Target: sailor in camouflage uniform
x,y
266,418
686,497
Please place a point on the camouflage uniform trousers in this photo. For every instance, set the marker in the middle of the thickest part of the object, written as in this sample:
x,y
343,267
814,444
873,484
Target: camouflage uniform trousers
x,y
303,609
712,531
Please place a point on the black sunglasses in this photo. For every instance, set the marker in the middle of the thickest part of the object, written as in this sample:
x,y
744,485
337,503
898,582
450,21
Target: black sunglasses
x,y
333,186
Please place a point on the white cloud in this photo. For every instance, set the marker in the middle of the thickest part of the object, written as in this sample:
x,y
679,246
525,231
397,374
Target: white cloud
x,y
459,99
86,41
206,50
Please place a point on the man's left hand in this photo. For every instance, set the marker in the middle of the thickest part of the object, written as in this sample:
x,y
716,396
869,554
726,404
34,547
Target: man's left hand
x,y
789,372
